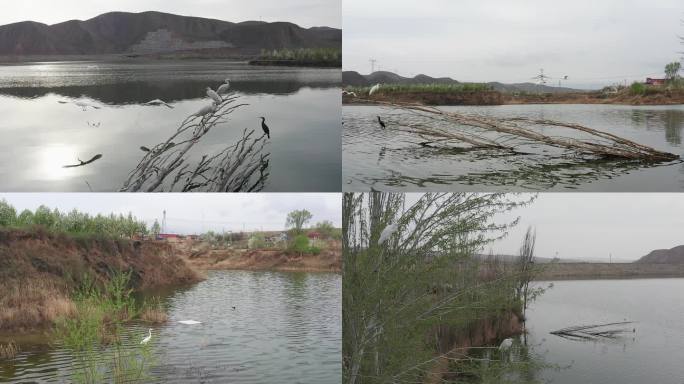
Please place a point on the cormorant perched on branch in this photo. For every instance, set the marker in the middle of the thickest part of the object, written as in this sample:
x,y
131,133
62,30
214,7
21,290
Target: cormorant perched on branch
x,y
382,123
267,132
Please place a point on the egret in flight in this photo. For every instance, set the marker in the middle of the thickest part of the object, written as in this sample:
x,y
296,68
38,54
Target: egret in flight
x,y
157,102
214,95
267,131
373,89
223,88
147,339
190,322
387,233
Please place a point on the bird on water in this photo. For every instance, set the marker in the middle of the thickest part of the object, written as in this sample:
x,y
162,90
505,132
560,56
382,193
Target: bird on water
x,y
382,123
147,339
267,131
223,88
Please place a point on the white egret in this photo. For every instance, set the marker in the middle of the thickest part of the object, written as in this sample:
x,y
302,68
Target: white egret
x,y
157,102
85,105
373,89
190,322
506,344
206,109
214,95
223,88
147,339
387,233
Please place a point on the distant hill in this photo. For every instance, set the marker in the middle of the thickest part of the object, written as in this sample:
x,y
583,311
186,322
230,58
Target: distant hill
x,y
353,78
665,256
157,32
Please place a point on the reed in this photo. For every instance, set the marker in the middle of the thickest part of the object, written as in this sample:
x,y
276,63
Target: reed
x,y
8,351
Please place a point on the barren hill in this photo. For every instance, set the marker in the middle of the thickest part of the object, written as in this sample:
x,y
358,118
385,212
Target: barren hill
x,y
664,256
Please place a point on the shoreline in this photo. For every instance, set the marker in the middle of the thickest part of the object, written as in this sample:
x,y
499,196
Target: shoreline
x,y
609,271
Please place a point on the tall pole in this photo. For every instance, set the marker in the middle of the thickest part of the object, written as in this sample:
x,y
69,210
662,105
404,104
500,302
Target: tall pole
x,y
372,61
163,228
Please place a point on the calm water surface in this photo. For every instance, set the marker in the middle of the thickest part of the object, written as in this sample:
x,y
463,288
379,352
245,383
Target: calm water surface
x,y
652,354
286,328
393,161
42,129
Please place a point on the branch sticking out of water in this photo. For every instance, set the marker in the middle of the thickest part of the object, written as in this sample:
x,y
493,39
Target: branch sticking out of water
x,y
471,128
240,167
594,331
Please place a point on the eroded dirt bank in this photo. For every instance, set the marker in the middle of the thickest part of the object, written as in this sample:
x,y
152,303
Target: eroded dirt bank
x,y
39,270
456,343
328,260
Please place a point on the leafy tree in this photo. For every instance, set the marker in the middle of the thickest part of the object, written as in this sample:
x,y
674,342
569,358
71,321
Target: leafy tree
x,y
672,70
297,219
8,215
327,229
300,244
25,218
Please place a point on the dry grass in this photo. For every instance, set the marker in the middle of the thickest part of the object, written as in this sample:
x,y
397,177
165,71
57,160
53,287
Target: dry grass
x,y
32,304
154,315
8,351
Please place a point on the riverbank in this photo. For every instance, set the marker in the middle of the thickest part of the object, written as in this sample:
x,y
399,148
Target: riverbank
x,y
39,271
484,332
328,260
570,271
474,98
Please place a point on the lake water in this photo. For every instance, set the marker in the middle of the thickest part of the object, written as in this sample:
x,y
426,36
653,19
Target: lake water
x,y
388,160
42,129
286,328
651,354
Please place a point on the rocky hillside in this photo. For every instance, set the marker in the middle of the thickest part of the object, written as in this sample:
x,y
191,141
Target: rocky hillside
x,y
664,256
156,32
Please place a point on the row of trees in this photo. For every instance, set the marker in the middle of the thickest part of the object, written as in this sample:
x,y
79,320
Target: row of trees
x,y
74,222
296,221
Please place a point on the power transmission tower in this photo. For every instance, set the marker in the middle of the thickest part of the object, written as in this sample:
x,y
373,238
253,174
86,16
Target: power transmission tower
x,y
372,61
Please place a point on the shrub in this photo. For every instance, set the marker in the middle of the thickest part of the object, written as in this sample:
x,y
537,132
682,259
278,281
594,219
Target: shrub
x,y
314,250
637,88
300,244
257,240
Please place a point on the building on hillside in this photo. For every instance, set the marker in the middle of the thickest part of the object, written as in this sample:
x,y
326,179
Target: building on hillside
x,y
170,237
650,81
276,239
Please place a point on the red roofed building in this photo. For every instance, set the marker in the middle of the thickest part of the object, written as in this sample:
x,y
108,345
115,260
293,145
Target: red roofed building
x,y
651,81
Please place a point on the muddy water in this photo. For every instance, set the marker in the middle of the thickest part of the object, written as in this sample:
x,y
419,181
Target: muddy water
x,y
286,327
386,160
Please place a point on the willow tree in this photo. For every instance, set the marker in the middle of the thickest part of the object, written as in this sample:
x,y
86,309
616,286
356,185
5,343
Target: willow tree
x,y
394,292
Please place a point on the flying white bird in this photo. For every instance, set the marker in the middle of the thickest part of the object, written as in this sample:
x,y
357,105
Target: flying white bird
x,y
190,322
387,233
506,344
373,89
147,339
214,95
157,102
85,105
224,87
206,109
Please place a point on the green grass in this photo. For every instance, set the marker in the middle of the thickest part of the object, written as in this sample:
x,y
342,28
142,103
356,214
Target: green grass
x,y
313,55
425,88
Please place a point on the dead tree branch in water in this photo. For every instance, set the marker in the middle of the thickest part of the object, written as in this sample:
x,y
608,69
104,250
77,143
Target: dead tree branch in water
x,y
594,331
471,128
240,167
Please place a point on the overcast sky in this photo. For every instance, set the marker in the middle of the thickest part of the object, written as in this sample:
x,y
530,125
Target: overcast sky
x,y
306,13
193,213
593,42
593,225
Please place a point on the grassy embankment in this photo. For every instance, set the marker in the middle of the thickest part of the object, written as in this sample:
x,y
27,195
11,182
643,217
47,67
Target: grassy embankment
x,y
560,271
482,94
429,94
302,57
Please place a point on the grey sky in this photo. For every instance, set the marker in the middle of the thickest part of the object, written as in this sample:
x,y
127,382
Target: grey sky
x,y
593,225
594,42
306,13
194,213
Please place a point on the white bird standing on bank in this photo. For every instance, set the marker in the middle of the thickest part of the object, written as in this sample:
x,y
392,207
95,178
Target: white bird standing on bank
x,y
387,233
373,89
147,339
214,95
223,88
157,102
506,344
190,322
206,109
